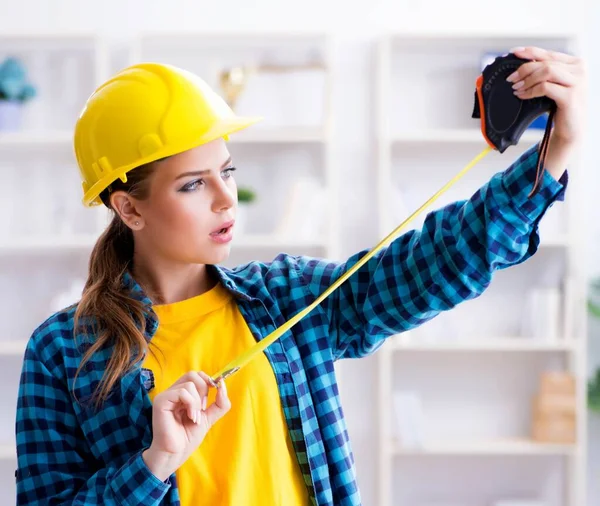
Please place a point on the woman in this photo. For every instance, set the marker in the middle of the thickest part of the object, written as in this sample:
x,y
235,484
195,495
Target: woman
x,y
115,402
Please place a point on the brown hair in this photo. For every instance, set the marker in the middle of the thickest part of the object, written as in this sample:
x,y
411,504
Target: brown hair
x,y
116,318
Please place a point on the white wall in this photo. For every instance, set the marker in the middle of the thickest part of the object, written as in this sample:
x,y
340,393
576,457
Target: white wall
x,y
356,26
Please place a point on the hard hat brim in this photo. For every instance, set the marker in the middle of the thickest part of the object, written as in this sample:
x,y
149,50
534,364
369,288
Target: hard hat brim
x,y
222,129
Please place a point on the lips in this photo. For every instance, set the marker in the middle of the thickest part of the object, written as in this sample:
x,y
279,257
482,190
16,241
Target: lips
x,y
223,228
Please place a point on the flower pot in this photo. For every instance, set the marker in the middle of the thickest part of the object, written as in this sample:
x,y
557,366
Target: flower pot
x,y
10,115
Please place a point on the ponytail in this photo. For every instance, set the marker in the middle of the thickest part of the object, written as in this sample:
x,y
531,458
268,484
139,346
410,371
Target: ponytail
x,y
106,307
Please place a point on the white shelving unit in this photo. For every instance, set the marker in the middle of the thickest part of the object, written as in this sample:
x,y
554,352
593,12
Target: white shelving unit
x,y
473,369
40,204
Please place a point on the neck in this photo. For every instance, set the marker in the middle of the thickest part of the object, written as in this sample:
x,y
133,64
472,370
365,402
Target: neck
x,y
166,282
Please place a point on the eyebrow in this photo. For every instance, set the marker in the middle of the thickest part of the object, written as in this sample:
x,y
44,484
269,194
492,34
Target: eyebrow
x,y
202,172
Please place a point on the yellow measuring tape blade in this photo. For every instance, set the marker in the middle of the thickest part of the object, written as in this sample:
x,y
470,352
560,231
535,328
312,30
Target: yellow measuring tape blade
x,y
248,355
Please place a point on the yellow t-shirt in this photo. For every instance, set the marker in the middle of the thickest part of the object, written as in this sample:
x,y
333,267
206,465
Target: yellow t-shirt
x,y
247,456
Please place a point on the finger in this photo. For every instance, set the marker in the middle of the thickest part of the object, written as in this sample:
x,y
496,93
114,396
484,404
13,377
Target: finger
x,y
193,391
557,74
221,405
537,53
197,379
524,71
207,379
553,70
554,91
172,400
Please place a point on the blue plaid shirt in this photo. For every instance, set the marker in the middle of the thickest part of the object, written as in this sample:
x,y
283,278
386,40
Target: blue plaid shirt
x,y
70,453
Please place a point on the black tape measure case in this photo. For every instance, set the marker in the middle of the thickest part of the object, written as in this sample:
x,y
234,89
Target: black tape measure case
x,y
504,116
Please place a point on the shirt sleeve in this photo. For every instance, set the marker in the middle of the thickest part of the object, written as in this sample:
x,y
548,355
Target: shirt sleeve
x,y
451,259
54,464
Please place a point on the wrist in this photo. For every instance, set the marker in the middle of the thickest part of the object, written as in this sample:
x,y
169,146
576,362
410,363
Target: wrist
x,y
560,141
560,150
161,464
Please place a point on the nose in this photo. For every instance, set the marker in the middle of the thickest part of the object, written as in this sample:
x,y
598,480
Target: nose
x,y
223,198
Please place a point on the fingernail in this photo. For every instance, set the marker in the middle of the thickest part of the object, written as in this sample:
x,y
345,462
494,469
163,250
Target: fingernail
x,y
517,49
204,400
198,417
195,419
518,85
512,77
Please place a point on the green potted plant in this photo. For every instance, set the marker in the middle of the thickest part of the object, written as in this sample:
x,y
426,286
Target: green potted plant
x,y
15,90
594,383
594,392
245,197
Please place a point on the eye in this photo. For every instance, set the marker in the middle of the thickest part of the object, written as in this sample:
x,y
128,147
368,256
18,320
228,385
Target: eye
x,y
228,172
192,185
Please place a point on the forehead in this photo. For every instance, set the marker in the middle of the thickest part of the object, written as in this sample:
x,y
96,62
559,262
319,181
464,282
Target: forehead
x,y
210,156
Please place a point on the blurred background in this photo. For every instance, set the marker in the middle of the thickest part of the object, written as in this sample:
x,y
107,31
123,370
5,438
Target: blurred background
x,y
368,112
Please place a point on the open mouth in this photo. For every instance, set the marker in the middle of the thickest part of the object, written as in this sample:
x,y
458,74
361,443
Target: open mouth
x,y
225,229
222,231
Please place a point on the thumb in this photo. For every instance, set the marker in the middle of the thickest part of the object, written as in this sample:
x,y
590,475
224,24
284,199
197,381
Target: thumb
x,y
221,405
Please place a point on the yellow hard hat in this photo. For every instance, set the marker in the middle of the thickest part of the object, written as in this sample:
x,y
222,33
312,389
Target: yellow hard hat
x,y
146,112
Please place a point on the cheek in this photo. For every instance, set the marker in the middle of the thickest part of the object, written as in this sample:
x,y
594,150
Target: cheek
x,y
180,216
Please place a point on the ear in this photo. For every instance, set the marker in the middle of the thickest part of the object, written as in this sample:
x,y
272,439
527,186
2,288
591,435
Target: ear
x,y
125,206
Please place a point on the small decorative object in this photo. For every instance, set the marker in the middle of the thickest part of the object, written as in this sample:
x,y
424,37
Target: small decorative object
x,y
233,81
275,92
593,390
14,92
245,197
554,409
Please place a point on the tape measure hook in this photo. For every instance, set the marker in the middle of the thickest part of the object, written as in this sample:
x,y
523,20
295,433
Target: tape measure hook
x,y
224,376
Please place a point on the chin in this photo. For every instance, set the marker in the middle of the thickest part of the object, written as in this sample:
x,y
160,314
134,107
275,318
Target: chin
x,y
214,255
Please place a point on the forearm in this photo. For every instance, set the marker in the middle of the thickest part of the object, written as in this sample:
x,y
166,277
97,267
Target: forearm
x,y
559,153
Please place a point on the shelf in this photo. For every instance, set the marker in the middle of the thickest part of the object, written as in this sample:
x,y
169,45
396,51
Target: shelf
x,y
8,452
476,35
185,36
33,138
492,447
458,135
258,135
489,345
12,348
255,135
50,41
47,244
84,243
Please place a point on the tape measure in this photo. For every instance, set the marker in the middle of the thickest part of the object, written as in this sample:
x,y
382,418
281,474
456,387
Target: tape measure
x,y
504,118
